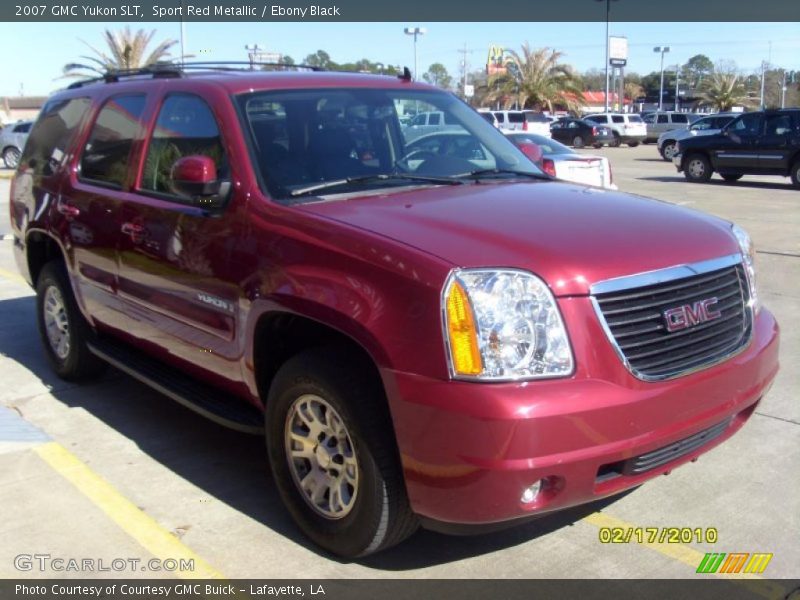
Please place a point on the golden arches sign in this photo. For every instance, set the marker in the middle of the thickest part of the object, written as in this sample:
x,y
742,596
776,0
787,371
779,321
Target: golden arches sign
x,y
496,60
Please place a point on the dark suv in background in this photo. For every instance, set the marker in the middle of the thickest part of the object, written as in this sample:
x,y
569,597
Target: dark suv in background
x,y
756,143
441,338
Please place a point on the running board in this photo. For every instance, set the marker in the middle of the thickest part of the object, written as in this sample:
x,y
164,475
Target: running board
x,y
219,406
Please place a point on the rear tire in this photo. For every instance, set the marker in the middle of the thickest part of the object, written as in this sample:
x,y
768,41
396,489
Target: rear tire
x,y
731,178
795,174
615,143
633,144
697,168
65,333
328,428
577,142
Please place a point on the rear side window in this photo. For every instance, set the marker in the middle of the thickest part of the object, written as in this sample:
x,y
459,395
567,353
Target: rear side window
x,y
105,157
185,127
680,118
47,144
663,119
24,128
635,119
515,117
501,118
533,117
434,119
617,119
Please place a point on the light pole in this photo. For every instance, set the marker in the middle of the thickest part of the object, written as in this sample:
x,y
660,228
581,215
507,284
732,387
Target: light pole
x,y
677,79
663,50
415,31
608,20
252,52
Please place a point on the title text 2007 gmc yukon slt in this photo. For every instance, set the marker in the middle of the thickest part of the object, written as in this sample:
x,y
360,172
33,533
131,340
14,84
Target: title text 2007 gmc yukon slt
x,y
440,335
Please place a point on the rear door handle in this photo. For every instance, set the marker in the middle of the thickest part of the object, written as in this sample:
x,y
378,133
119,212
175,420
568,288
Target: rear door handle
x,y
68,210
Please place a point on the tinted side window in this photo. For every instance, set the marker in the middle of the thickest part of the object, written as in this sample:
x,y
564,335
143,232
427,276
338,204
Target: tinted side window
x,y
748,124
434,119
185,127
617,119
57,125
778,125
663,119
501,118
105,157
24,128
680,118
516,117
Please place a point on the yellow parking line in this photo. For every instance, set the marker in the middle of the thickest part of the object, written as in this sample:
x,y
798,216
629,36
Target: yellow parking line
x,y
144,529
691,557
16,277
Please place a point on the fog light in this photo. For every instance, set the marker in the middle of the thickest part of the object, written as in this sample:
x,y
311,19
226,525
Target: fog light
x,y
529,493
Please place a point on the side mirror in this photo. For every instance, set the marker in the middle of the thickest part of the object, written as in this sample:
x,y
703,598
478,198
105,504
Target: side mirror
x,y
531,150
194,176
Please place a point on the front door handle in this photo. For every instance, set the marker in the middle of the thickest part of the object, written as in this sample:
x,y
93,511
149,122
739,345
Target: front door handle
x,y
134,230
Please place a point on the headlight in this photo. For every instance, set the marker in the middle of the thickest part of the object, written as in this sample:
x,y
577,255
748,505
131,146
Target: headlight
x,y
749,255
503,324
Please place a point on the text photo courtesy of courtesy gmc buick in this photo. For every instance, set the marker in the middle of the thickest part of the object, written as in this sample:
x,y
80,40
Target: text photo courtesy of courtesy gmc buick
x,y
443,337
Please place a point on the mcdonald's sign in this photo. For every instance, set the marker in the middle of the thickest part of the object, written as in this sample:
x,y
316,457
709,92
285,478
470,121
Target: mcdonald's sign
x,y
495,61
734,562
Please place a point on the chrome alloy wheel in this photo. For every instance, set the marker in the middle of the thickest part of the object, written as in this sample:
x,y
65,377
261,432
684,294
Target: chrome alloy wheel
x,y
670,150
56,322
321,456
696,168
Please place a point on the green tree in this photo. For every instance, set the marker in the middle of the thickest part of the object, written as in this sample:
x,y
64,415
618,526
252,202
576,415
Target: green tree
x,y
723,90
695,70
319,59
537,79
126,50
437,75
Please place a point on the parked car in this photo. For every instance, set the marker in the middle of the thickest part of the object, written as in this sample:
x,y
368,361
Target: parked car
x,y
579,133
626,128
421,341
756,143
489,116
557,160
660,121
427,122
456,144
12,141
523,120
708,125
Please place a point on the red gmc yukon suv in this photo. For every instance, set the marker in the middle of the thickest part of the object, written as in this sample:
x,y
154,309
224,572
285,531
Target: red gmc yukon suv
x,y
427,331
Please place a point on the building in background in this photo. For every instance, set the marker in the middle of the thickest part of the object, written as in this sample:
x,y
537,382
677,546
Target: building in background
x,y
20,108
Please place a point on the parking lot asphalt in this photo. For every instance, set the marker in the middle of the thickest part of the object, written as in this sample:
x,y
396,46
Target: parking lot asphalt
x,y
113,469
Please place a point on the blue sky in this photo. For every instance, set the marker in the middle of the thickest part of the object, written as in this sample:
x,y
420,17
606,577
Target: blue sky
x,y
747,44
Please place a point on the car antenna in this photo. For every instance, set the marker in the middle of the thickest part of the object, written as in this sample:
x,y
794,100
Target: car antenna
x,y
406,75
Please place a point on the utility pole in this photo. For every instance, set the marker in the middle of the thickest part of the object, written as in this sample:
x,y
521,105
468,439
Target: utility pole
x,y
252,53
783,90
464,65
677,79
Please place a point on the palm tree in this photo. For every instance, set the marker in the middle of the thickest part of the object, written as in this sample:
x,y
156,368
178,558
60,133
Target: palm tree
x,y
127,51
723,90
536,79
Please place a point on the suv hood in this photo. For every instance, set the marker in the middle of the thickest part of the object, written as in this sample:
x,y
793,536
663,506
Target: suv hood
x,y
569,235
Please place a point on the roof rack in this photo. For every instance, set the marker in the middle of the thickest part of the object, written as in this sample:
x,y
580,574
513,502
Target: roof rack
x,y
168,70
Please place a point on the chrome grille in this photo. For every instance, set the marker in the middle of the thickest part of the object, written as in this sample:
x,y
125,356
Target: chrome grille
x,y
635,321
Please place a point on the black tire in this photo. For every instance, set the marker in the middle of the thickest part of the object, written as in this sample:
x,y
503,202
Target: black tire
x,y
667,150
11,157
71,360
615,143
633,144
380,515
795,174
697,168
597,145
578,142
731,177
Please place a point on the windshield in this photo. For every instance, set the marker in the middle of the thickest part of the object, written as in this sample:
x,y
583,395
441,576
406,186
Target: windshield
x,y
354,139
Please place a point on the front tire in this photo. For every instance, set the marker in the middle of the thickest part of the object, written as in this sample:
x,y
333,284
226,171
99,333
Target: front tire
x,y
65,333
795,174
332,453
697,168
633,144
668,151
11,157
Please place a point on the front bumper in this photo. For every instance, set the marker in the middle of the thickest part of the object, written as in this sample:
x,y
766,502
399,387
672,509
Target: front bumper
x,y
469,449
677,160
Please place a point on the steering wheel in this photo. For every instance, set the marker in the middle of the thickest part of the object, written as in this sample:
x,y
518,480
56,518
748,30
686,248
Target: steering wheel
x,y
420,155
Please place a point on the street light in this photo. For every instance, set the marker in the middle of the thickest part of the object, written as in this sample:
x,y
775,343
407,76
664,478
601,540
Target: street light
x,y
415,31
252,53
608,15
663,50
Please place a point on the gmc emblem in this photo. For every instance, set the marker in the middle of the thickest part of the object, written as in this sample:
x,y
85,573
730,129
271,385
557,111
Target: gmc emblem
x,y
689,315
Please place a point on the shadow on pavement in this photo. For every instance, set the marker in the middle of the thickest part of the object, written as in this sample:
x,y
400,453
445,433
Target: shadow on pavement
x,y
742,183
228,465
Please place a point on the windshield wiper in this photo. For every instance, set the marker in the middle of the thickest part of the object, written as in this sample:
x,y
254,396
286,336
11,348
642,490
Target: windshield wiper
x,y
484,172
371,178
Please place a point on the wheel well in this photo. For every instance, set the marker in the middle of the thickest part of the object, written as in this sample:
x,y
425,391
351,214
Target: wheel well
x,y
41,249
280,336
8,148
